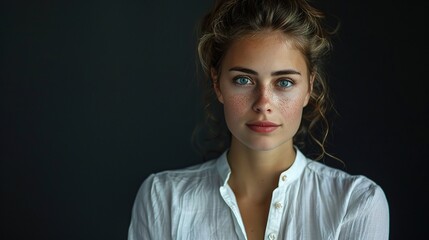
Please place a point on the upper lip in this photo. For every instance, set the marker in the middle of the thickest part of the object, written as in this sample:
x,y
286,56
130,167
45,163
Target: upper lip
x,y
263,124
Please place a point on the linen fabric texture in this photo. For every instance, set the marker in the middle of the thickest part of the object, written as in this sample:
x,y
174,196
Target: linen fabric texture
x,y
312,201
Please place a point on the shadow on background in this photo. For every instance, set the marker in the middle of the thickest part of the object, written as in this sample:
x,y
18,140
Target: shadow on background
x,y
96,95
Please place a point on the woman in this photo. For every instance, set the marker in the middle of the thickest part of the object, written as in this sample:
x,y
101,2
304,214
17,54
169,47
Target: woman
x,y
264,60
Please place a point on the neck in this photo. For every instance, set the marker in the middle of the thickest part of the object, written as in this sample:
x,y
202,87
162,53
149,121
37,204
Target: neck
x,y
255,174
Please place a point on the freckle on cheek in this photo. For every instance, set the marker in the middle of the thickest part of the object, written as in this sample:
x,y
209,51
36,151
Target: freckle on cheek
x,y
238,102
289,106
284,105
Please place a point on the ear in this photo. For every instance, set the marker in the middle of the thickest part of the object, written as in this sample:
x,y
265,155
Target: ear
x,y
216,85
310,89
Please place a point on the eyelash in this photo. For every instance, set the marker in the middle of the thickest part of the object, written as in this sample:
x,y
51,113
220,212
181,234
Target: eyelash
x,y
249,80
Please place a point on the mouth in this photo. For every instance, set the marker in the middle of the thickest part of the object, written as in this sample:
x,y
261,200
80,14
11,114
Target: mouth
x,y
262,126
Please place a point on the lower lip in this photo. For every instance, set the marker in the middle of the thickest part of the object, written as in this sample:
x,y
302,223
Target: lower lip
x,y
262,129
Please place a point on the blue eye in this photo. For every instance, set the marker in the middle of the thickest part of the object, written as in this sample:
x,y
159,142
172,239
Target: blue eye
x,y
242,80
285,83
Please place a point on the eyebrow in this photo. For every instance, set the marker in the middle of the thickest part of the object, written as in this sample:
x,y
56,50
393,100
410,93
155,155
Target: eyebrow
x,y
276,73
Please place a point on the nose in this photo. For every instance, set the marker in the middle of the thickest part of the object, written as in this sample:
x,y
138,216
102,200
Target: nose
x,y
262,102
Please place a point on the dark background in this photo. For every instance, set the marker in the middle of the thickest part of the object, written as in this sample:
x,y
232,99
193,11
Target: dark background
x,y
95,95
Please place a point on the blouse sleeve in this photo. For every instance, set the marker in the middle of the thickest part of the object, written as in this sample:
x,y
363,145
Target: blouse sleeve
x,y
367,216
148,214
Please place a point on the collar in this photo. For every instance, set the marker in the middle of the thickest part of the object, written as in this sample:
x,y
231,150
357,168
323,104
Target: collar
x,y
288,176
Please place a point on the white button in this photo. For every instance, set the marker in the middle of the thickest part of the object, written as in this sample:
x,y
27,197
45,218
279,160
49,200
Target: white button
x,y
278,205
284,178
272,236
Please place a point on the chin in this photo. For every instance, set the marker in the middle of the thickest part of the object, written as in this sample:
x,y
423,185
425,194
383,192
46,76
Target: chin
x,y
264,146
263,143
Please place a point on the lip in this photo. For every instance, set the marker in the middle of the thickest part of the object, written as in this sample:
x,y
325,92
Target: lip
x,y
262,126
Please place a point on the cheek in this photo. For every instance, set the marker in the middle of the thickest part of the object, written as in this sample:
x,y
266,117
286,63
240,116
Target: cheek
x,y
234,105
291,109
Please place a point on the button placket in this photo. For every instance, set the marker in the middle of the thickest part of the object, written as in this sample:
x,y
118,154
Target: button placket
x,y
276,211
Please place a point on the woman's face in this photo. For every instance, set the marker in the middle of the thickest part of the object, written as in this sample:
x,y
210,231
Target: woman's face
x,y
264,84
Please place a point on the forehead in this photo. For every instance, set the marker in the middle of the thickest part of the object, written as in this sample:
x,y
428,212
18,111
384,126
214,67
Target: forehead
x,y
268,49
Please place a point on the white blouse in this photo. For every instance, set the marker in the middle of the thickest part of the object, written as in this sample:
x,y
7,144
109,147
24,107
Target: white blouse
x,y
312,201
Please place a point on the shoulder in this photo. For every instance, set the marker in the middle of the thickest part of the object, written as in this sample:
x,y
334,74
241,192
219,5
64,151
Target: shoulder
x,y
332,175
188,175
358,201
174,182
160,195
358,192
